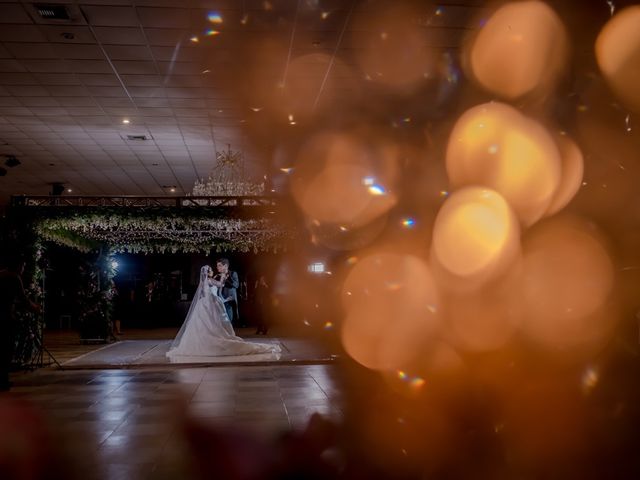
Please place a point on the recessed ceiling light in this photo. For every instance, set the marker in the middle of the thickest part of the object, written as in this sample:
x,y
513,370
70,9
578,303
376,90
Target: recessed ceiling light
x,y
155,164
69,190
194,39
67,35
172,190
11,161
126,121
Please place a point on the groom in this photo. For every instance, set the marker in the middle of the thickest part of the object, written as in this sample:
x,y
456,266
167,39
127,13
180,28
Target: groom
x,y
228,291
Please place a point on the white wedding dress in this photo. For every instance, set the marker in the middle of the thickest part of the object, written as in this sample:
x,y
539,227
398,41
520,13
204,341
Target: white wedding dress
x,y
207,332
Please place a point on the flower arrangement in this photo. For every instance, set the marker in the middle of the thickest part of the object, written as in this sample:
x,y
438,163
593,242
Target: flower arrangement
x,y
160,230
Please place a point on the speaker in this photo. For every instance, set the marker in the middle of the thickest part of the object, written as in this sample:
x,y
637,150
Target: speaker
x,y
57,189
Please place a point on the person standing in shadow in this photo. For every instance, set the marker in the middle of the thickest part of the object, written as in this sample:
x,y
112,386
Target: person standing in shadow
x,y
12,296
228,290
118,309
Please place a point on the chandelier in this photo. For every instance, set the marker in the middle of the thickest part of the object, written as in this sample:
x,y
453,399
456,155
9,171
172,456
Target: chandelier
x,y
227,178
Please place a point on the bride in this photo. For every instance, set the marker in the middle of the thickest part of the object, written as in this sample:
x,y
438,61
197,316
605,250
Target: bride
x,y
207,331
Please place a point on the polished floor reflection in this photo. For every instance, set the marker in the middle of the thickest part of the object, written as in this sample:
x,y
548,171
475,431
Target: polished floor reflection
x,y
130,423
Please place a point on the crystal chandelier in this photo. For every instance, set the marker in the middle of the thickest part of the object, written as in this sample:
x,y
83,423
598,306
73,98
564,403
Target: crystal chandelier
x,y
227,178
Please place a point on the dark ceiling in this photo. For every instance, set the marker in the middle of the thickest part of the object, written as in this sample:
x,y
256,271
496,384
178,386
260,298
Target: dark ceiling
x,y
73,90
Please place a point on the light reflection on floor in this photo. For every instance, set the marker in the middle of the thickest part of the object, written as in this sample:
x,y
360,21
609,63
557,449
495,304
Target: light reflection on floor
x,y
128,423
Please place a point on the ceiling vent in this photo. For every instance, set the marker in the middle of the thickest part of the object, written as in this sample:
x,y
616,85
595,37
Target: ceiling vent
x,y
52,12
138,138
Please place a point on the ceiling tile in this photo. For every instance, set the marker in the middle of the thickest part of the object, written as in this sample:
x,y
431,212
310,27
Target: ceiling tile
x,y
4,111
186,103
185,81
78,52
76,101
56,78
167,37
93,120
180,68
128,52
110,16
128,111
38,101
49,111
185,92
18,79
106,91
27,90
31,50
46,66
13,13
10,65
161,121
152,102
193,121
62,33
114,101
89,66
135,67
142,80
99,80
164,17
21,33
67,90
191,112
182,54
146,92
120,36
73,111
9,102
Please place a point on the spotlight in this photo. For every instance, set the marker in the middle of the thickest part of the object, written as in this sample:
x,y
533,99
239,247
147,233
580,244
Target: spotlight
x,y
11,161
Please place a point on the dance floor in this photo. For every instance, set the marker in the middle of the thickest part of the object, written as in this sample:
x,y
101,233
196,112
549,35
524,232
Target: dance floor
x,y
139,423
122,411
147,348
131,353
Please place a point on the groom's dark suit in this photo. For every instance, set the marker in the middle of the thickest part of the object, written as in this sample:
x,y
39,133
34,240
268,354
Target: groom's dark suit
x,y
229,296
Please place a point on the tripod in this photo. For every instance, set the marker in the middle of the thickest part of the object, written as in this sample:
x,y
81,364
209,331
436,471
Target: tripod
x,y
37,359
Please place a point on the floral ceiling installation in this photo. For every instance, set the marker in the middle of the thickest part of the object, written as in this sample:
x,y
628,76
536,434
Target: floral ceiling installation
x,y
164,231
